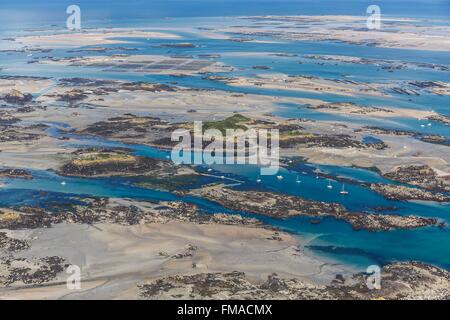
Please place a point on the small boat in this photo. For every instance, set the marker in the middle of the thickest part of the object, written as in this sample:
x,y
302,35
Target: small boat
x,y
258,180
329,186
63,183
280,177
343,192
209,169
298,180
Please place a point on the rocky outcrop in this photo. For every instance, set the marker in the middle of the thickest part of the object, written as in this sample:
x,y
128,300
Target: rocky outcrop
x,y
283,206
267,203
177,45
15,173
399,192
102,210
339,141
408,280
114,163
6,118
12,244
18,135
20,271
422,176
386,222
429,138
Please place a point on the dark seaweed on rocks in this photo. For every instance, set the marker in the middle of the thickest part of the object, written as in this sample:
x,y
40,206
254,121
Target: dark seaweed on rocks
x,y
420,175
340,141
36,271
101,210
17,97
139,165
283,206
15,173
11,244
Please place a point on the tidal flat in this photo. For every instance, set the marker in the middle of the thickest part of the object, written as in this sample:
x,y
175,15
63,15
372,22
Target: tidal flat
x,y
86,176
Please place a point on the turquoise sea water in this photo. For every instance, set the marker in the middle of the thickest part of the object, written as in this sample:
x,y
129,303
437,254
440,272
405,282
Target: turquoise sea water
x,y
331,238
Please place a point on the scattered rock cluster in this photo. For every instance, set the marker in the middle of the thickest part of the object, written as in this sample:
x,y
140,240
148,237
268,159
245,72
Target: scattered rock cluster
x,y
399,192
17,271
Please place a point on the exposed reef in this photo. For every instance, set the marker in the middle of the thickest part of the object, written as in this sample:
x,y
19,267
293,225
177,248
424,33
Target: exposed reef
x,y
9,244
430,138
385,64
103,210
110,163
283,206
15,173
17,97
339,141
21,271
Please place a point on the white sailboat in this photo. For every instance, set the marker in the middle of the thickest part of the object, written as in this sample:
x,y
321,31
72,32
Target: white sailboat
x,y
343,192
298,180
